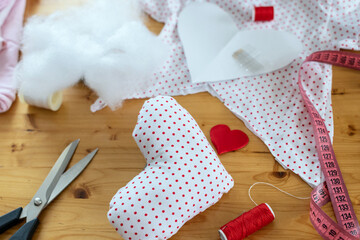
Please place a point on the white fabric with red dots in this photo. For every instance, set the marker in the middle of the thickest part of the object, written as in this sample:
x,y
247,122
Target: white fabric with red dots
x,y
183,176
270,104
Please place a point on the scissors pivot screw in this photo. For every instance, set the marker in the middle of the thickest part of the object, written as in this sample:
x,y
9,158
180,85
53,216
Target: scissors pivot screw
x,y
37,201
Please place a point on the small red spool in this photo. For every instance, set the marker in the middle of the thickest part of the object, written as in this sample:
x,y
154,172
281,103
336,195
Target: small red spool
x,y
247,223
265,13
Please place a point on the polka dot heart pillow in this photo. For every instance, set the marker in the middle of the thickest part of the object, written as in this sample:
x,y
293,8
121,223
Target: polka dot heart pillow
x,y
183,176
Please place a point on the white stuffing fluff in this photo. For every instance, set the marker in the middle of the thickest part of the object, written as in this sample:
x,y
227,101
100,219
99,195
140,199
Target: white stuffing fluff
x,y
103,42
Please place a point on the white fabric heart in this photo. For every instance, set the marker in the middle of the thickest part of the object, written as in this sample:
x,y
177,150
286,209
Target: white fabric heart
x,y
215,50
183,176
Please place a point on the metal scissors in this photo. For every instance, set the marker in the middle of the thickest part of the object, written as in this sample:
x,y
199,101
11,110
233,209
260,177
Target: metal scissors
x,y
55,182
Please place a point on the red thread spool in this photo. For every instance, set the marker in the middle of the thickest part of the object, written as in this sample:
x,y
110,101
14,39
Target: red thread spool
x,y
247,223
265,13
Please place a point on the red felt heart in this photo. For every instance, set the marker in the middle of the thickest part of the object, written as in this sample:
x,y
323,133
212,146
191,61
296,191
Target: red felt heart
x,y
226,140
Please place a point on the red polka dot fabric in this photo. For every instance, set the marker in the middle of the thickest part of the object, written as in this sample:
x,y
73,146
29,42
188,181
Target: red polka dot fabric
x,y
270,104
183,176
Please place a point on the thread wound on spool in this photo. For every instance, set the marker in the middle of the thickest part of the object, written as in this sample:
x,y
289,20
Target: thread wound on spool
x,y
247,223
265,13
52,102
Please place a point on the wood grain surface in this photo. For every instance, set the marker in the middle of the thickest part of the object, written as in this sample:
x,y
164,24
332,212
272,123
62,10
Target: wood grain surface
x,y
32,138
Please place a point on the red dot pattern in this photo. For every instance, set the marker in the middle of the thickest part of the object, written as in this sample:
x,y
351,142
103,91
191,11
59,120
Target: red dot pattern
x,y
183,176
270,104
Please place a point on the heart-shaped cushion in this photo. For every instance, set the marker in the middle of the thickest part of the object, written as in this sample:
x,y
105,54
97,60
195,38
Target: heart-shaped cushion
x,y
183,176
226,140
211,38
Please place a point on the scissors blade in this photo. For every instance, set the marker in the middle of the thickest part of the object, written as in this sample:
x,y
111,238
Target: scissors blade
x,y
71,174
40,199
65,179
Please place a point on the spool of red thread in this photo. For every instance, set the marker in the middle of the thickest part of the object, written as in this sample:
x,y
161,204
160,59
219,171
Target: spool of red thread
x,y
265,13
247,223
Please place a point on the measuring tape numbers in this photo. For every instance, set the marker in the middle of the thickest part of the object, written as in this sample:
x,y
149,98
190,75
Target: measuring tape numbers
x,y
333,189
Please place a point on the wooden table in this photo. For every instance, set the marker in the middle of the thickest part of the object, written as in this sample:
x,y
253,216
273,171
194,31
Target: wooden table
x,y
32,138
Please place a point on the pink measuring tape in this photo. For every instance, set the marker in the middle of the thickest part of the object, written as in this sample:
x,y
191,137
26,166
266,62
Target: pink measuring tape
x,y
333,189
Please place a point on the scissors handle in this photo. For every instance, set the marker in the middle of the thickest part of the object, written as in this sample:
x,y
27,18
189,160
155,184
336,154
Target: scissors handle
x,y
10,219
26,231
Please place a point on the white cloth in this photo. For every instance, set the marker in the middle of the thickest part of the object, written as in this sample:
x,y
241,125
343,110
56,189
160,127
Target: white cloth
x,y
5,8
269,104
183,176
11,25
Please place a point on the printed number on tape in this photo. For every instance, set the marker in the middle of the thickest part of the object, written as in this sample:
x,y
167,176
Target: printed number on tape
x,y
333,189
